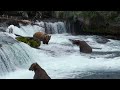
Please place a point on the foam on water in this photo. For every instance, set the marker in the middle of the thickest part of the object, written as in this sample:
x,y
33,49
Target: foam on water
x,y
67,61
60,58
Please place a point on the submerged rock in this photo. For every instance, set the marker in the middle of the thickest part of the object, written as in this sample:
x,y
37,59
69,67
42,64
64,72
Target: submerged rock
x,y
102,40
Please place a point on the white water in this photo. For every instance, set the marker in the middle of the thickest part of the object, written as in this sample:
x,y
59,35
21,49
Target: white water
x,y
59,58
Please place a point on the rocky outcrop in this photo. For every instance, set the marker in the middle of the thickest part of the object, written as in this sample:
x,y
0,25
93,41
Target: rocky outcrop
x,y
84,47
113,37
13,21
40,73
101,40
74,27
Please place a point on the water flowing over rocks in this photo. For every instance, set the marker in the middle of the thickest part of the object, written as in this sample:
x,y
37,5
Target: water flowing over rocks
x,y
16,57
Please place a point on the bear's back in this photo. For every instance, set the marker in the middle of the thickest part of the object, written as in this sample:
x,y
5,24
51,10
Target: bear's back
x,y
38,35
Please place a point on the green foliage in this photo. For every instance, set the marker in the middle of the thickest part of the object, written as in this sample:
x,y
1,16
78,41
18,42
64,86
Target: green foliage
x,y
30,42
34,43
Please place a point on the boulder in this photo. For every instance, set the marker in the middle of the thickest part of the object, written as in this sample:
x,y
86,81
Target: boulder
x,y
113,37
101,40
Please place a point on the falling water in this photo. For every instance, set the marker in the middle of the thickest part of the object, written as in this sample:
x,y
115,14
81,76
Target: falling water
x,y
14,54
60,58
53,28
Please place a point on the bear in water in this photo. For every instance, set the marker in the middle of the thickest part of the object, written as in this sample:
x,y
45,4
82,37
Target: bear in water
x,y
42,37
39,72
84,47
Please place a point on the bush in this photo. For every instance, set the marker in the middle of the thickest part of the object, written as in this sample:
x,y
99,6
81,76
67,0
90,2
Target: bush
x,y
29,41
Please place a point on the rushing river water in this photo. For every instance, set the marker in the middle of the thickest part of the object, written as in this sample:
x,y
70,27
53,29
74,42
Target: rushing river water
x,y
60,58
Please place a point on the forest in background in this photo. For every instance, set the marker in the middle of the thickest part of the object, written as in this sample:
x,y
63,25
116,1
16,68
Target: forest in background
x,y
89,22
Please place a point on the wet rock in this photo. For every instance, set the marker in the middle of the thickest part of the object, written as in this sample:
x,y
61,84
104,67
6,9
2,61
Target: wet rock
x,y
24,15
75,27
102,40
113,37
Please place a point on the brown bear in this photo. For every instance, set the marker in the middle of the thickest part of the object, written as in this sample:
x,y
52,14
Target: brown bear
x,y
39,72
42,37
84,47
76,42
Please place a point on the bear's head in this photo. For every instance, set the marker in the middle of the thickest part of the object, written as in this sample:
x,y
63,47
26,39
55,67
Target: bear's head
x,y
46,39
77,42
34,67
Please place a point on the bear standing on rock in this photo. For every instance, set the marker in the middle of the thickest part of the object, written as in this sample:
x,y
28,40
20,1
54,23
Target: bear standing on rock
x,y
42,37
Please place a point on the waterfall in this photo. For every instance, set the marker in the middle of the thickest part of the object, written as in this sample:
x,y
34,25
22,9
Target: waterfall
x,y
13,54
53,28
18,56
75,27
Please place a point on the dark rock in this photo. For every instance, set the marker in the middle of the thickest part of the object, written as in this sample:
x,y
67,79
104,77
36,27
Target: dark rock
x,y
39,72
24,15
113,37
75,27
12,22
102,40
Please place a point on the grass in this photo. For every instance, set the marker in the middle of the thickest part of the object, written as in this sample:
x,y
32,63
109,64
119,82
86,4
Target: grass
x,y
30,41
